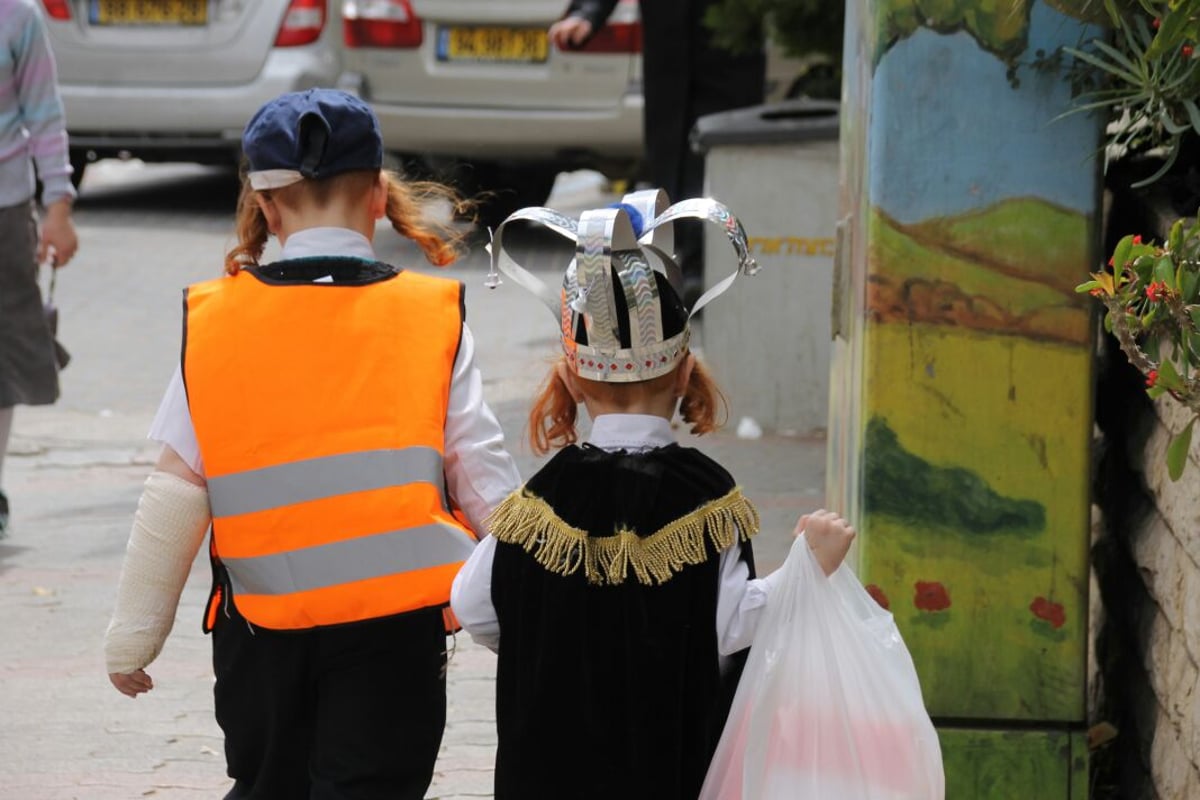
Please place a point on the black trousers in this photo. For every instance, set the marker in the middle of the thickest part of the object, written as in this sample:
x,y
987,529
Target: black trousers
x,y
353,712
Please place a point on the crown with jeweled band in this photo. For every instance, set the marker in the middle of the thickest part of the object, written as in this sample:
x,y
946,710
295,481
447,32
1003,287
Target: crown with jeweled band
x,y
616,303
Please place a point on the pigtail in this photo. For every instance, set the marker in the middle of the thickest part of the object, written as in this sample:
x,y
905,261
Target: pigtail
x,y
441,242
552,418
251,230
703,406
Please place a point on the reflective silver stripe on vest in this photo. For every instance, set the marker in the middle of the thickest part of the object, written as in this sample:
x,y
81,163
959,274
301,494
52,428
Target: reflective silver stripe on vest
x,y
347,561
329,476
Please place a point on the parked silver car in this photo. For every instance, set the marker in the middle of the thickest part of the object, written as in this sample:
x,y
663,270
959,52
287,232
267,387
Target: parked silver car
x,y
478,86
176,80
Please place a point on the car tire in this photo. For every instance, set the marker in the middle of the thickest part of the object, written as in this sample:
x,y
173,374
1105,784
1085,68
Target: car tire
x,y
79,162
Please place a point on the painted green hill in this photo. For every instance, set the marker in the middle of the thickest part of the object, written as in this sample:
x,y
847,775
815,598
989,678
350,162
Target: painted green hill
x,y
1022,236
906,486
976,271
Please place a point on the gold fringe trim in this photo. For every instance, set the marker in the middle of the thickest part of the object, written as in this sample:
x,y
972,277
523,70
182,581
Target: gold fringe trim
x,y
527,520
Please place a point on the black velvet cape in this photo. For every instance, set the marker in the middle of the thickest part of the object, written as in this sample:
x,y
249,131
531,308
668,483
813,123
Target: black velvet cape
x,y
605,584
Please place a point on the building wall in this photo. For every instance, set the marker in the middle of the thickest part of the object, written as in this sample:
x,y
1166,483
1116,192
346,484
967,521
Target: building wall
x,y
1148,642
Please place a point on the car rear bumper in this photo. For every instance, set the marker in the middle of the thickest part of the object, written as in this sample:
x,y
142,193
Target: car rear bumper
x,y
577,135
190,121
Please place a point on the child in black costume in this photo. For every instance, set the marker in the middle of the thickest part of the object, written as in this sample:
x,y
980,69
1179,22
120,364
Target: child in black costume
x,y
618,584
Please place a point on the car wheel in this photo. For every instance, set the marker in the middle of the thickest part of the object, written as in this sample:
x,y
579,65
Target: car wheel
x,y
501,188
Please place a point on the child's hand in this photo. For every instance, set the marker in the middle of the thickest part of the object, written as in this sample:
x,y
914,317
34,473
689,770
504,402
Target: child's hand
x,y
58,239
828,536
132,684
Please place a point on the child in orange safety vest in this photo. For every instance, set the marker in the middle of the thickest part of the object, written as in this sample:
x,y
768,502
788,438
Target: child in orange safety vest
x,y
327,421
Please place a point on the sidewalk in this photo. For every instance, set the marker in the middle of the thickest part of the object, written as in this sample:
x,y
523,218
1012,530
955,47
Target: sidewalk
x,y
74,473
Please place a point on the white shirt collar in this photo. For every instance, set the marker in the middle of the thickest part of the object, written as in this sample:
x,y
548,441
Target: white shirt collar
x,y
316,242
630,432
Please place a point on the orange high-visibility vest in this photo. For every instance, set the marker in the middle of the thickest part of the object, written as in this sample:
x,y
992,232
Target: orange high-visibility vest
x,y
320,412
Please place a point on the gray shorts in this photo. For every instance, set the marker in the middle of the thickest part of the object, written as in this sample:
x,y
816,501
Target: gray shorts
x,y
28,374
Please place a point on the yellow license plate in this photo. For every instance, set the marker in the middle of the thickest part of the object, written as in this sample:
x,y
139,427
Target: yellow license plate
x,y
149,12
528,45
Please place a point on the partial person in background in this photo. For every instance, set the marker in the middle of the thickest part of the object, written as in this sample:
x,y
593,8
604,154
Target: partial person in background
x,y
32,135
685,76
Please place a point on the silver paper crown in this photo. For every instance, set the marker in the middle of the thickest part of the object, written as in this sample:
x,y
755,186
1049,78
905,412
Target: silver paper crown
x,y
604,240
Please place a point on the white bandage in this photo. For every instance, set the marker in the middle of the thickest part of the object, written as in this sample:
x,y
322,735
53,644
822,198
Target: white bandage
x,y
168,527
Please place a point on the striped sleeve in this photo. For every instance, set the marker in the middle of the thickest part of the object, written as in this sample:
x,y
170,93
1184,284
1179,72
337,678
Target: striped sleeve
x,y
36,84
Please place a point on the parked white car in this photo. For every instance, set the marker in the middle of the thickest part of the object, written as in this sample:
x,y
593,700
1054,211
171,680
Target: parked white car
x,y
478,88
177,80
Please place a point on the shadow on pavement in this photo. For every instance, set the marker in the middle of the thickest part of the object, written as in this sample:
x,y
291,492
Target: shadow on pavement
x,y
8,551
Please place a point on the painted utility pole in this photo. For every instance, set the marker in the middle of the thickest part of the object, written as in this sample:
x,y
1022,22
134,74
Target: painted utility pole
x,y
961,407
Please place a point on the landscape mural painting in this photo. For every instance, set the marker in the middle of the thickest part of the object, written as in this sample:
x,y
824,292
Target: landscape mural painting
x,y
962,382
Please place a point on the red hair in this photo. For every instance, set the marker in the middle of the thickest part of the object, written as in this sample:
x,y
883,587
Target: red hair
x,y
406,202
552,418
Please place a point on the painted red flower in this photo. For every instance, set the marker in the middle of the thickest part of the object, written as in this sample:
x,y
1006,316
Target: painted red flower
x,y
1049,611
1151,378
931,596
878,596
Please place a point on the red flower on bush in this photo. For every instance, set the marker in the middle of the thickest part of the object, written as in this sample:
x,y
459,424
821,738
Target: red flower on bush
x,y
1186,50
1151,378
1137,239
1157,290
931,596
878,596
1048,611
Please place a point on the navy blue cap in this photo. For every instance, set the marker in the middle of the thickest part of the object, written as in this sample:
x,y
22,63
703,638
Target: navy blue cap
x,y
317,133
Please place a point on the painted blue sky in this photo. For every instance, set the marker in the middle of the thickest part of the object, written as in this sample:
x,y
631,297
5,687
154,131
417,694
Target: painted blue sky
x,y
955,135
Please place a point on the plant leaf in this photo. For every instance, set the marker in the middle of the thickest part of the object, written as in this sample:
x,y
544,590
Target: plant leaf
x,y
1177,452
1164,270
1168,378
1115,54
1105,66
1187,285
1171,125
1170,162
1170,33
1193,113
1120,256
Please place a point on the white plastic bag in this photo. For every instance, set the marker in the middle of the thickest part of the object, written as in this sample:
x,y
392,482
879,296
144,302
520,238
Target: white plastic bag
x,y
829,706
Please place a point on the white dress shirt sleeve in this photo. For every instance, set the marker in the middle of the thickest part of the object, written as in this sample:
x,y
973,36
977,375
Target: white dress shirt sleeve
x,y
740,601
471,596
479,471
479,475
172,425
